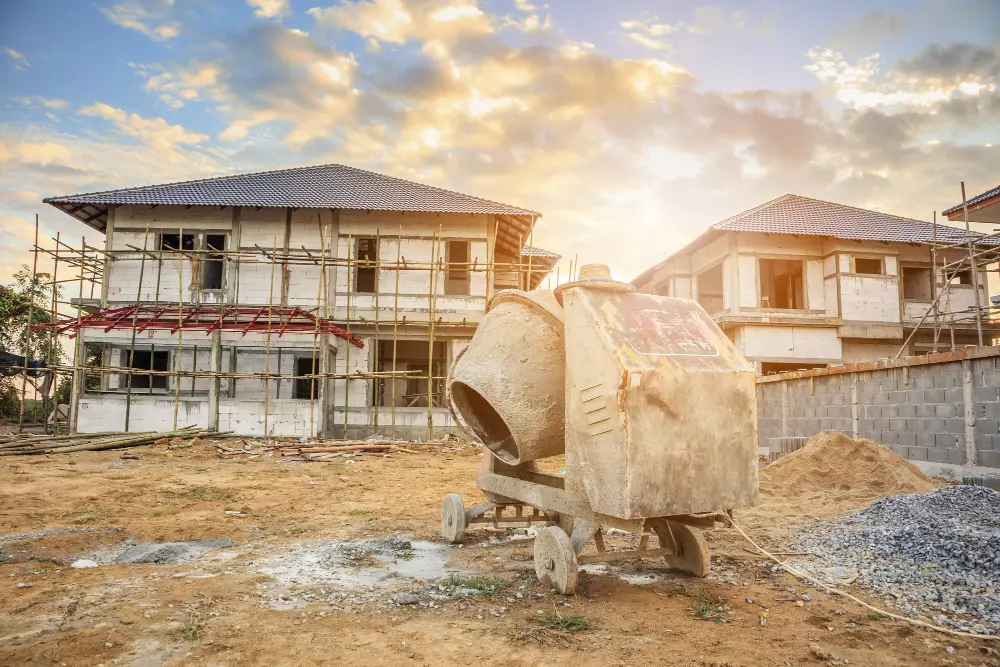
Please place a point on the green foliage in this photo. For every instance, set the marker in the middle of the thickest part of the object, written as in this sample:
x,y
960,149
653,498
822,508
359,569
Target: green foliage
x,y
553,621
27,301
473,585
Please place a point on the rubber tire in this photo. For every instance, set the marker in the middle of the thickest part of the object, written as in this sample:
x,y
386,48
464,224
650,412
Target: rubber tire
x,y
555,560
453,518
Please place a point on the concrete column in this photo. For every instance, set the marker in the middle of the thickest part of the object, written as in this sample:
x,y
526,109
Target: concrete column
x,y
970,413
855,408
79,359
215,383
784,409
326,364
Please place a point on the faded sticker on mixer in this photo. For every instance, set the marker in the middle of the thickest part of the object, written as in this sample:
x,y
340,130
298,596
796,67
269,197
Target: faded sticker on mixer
x,y
667,331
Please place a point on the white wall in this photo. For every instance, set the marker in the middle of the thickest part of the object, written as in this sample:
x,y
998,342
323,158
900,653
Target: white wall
x,y
778,343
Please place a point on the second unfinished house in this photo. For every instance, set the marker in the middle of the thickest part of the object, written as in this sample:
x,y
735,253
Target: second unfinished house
x,y
319,301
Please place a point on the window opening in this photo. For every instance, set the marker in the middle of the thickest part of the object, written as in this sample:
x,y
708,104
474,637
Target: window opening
x,y
364,272
962,278
152,361
916,283
868,266
305,388
172,242
212,264
781,284
710,289
411,390
457,274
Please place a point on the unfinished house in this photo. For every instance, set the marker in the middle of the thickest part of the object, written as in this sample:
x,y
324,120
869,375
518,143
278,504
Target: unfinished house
x,y
320,301
802,283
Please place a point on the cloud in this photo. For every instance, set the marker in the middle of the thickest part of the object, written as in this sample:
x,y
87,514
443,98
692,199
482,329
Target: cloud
x,y
47,102
20,60
269,9
44,154
149,17
871,30
155,134
272,74
931,80
403,21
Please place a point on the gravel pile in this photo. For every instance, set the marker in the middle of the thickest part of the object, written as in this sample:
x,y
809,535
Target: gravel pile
x,y
933,554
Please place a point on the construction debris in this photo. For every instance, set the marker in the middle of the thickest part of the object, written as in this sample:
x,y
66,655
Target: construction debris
x,y
334,450
62,444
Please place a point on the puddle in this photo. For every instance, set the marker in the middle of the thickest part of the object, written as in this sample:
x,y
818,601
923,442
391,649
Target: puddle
x,y
360,569
358,565
90,547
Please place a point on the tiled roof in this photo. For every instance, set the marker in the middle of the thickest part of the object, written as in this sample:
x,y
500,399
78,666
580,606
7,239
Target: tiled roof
x,y
792,214
538,252
323,186
989,194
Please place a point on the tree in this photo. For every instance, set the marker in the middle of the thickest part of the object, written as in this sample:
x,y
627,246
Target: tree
x,y
27,297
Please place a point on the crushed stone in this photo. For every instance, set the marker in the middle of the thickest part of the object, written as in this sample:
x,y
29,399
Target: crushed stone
x,y
933,554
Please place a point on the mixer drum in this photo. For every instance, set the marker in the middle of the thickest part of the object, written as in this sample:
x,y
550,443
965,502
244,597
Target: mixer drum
x,y
509,386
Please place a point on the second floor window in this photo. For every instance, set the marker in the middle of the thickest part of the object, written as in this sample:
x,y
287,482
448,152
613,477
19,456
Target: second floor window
x,y
781,284
364,271
457,270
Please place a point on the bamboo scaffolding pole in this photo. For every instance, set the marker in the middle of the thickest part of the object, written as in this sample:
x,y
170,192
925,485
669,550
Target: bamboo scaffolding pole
x,y
135,319
934,280
267,349
80,377
395,326
53,338
180,322
319,297
351,278
27,330
376,399
433,286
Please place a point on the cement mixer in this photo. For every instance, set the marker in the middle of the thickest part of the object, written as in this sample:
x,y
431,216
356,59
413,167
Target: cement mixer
x,y
652,405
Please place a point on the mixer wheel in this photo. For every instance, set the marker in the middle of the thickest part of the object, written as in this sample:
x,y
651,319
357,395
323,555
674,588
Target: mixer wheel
x,y
690,547
555,560
453,518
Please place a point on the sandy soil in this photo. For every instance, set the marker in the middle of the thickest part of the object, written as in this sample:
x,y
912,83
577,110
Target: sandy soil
x,y
222,609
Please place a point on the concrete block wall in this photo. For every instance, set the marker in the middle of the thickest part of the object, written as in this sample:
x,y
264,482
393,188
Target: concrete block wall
x,y
943,408
148,413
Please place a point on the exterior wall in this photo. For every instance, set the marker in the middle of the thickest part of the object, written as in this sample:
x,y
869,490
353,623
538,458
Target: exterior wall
x,y
788,343
418,239
943,408
100,413
848,316
410,236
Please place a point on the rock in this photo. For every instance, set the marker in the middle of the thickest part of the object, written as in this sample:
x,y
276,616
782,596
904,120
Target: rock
x,y
83,562
406,598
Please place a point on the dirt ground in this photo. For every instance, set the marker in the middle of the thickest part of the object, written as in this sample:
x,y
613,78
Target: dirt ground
x,y
259,603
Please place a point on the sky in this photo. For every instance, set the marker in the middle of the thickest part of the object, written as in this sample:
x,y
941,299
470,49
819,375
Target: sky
x,y
631,125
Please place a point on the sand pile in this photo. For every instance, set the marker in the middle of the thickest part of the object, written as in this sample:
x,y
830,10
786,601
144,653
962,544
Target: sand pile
x,y
836,464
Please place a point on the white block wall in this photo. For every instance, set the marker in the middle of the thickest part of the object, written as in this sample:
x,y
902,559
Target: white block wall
x,y
148,413
284,417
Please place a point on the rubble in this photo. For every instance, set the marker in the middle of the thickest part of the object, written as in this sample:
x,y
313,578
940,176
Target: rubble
x,y
932,553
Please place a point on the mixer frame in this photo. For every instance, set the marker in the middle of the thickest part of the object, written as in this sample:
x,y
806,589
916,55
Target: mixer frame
x,y
572,524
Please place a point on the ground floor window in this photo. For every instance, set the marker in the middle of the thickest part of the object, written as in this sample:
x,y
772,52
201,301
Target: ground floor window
x,y
152,360
306,388
413,356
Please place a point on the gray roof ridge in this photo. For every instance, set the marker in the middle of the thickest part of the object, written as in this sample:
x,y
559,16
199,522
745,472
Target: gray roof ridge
x,y
789,195
216,179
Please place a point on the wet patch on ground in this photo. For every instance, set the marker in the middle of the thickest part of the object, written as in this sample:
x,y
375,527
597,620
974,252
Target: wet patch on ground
x,y
350,573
